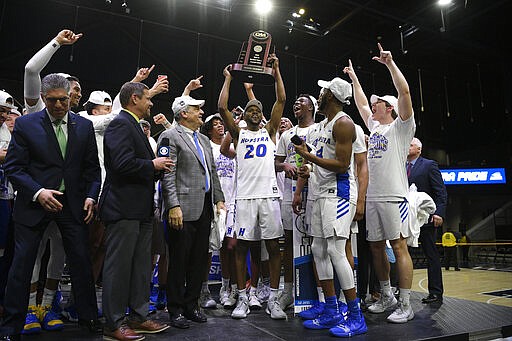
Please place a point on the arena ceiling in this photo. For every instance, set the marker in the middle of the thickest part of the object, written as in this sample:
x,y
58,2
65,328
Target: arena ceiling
x,y
453,58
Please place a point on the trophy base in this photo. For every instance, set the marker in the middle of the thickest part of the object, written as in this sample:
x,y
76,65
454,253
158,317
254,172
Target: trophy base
x,y
253,74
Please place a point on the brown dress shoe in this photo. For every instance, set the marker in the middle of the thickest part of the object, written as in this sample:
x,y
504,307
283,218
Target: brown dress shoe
x,y
147,327
123,333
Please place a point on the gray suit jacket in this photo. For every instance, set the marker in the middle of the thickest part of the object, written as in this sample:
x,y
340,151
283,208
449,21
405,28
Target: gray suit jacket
x,y
184,185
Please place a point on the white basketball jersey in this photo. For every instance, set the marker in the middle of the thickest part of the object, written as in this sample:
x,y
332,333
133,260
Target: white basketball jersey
x,y
286,148
256,172
328,183
226,171
388,148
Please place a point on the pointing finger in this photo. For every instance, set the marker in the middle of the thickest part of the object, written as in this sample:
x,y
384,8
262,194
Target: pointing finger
x,y
380,47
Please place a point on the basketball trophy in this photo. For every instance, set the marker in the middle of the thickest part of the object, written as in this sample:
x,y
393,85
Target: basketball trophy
x,y
253,65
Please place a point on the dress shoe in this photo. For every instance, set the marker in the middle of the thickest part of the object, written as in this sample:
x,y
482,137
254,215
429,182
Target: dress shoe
x,y
196,315
93,326
147,327
179,321
432,298
123,333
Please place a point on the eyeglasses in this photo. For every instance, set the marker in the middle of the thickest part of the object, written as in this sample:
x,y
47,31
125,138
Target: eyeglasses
x,y
54,100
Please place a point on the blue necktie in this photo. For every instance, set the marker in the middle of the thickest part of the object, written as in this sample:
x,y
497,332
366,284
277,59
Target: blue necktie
x,y
203,161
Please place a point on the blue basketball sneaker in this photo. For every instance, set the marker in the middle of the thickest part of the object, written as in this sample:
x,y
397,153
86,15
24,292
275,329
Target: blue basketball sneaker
x,y
313,312
353,325
326,320
343,309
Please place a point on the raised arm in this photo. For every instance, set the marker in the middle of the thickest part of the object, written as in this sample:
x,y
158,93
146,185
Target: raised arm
x,y
229,122
194,84
278,108
359,96
249,91
226,148
404,96
32,78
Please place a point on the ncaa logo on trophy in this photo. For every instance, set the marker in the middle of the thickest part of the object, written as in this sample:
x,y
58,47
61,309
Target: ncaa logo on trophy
x,y
253,65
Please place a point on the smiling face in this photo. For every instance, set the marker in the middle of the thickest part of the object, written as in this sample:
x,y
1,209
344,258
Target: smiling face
x,y
75,94
302,107
4,112
381,110
9,122
217,130
284,125
192,117
253,117
143,104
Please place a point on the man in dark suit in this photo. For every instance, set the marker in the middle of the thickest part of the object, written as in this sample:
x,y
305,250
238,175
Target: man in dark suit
x,y
189,192
52,162
425,174
126,207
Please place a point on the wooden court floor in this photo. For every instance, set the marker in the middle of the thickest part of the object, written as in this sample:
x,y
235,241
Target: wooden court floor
x,y
471,284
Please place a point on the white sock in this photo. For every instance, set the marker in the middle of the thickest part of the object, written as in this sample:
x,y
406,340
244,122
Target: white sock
x,y
288,288
321,296
342,297
405,294
48,296
204,287
32,298
385,287
225,282
252,291
273,294
242,293
234,287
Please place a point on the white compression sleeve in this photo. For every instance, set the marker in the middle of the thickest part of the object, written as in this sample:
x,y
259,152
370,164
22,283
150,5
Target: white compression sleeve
x,y
336,249
322,259
32,82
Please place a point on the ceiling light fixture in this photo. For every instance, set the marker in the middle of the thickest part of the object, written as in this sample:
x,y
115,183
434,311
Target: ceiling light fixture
x,y
444,2
263,7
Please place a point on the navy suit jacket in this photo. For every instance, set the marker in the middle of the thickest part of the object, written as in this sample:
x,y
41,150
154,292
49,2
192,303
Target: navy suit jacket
x,y
130,182
34,161
426,176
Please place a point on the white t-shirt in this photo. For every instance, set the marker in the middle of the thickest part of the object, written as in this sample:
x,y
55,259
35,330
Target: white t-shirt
x,y
226,171
256,177
286,148
388,148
